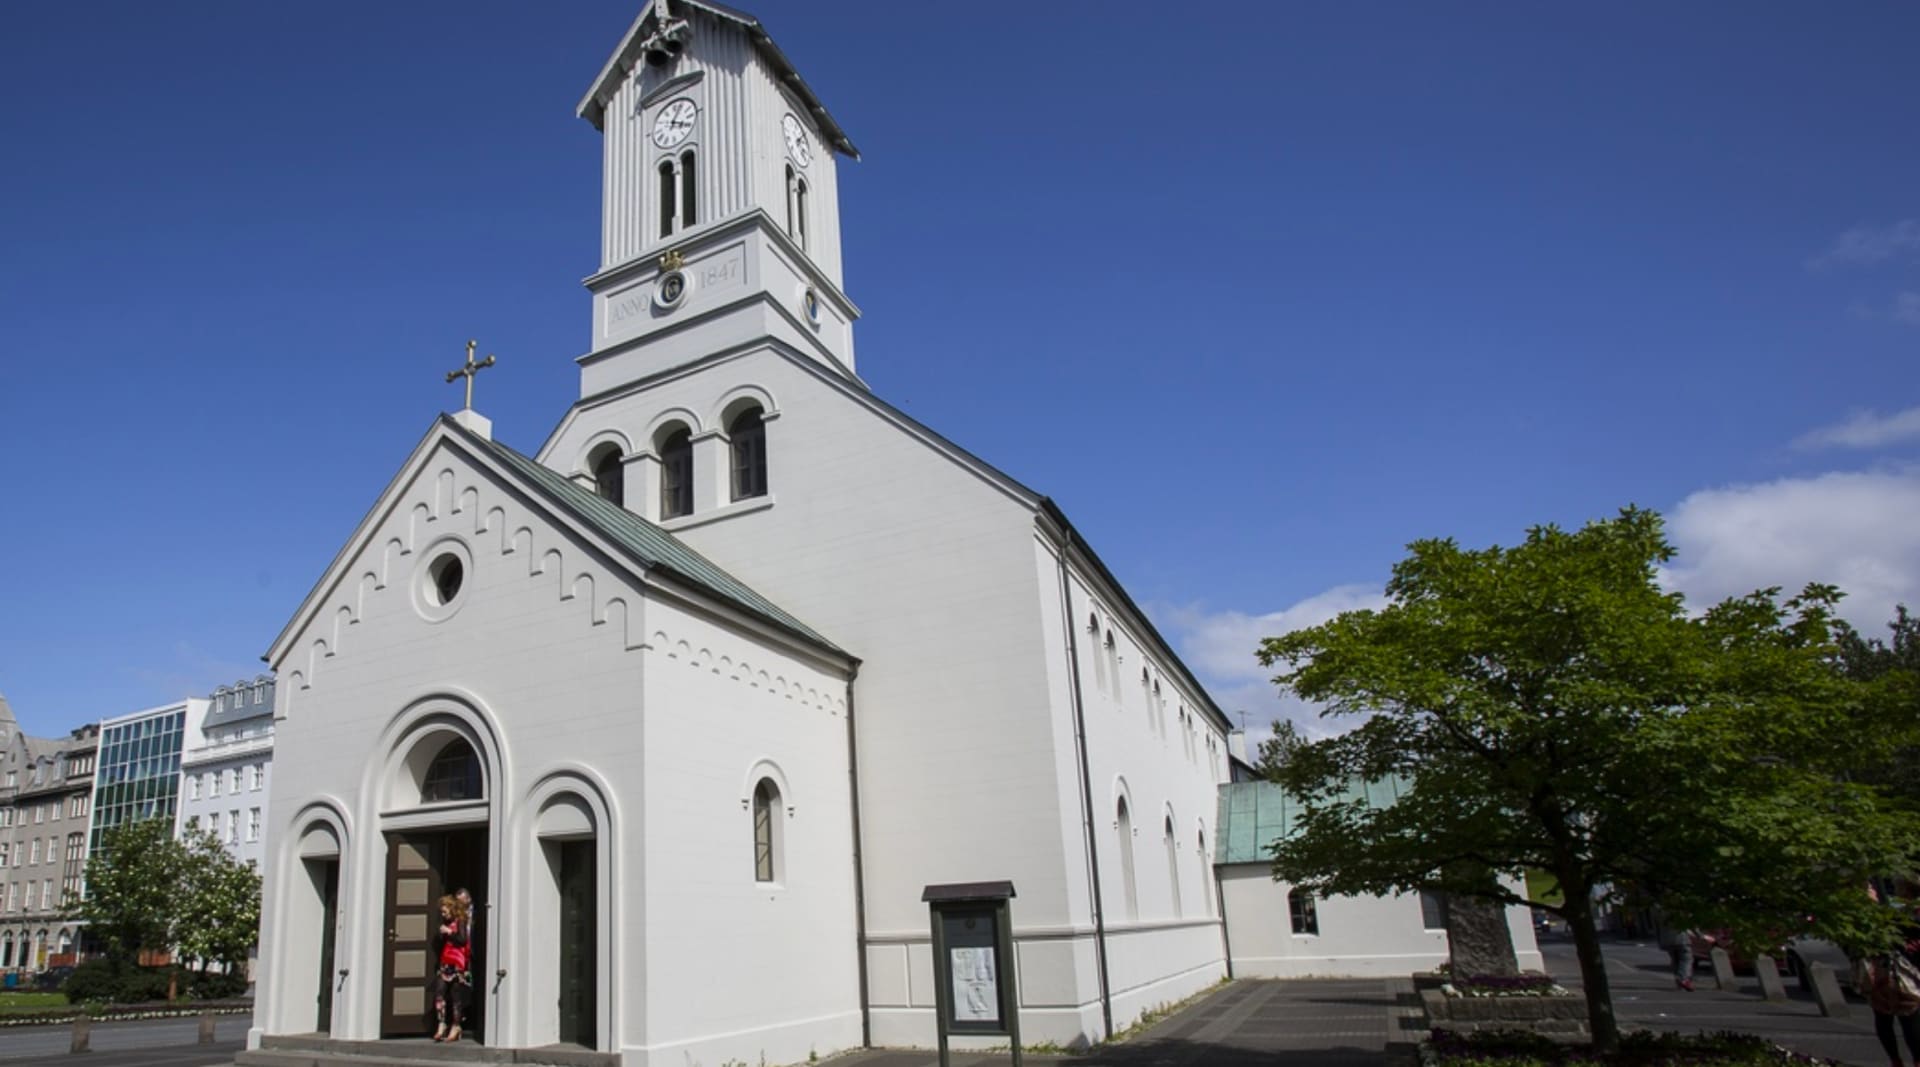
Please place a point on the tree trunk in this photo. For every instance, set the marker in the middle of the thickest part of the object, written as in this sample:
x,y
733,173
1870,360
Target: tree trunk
x,y
1593,968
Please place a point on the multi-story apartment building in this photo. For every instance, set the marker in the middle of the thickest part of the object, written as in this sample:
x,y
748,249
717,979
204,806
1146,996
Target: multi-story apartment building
x,y
46,789
226,768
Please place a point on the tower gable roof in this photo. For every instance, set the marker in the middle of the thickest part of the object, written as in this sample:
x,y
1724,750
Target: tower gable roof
x,y
593,106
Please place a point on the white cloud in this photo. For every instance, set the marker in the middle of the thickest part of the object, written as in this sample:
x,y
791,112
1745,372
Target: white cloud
x,y
1219,646
1867,245
1857,530
1866,429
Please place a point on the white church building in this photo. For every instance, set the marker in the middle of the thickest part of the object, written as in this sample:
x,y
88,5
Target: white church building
x,y
700,696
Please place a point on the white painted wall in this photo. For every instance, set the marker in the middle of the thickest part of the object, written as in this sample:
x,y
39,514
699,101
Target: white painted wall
x,y
1360,937
572,680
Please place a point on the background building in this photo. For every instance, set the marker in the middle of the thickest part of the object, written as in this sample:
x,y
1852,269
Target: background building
x,y
139,764
225,766
46,786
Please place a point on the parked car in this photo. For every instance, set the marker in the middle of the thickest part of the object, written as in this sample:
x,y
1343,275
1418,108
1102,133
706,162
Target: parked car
x,y
1803,952
1703,942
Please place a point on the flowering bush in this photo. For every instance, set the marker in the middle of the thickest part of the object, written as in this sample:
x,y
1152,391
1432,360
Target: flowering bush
x,y
1514,1048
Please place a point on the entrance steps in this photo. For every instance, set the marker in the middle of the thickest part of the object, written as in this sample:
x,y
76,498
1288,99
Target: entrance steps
x,y
317,1051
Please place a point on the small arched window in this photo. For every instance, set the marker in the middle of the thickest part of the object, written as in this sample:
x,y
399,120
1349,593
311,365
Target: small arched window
x,y
1300,910
609,476
454,774
797,208
668,209
1173,866
748,436
1124,830
676,474
766,830
687,216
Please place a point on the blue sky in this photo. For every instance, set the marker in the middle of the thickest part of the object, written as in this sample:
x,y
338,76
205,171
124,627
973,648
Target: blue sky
x,y
1259,292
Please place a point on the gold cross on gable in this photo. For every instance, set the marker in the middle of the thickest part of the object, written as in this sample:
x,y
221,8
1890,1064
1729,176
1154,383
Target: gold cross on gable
x,y
470,370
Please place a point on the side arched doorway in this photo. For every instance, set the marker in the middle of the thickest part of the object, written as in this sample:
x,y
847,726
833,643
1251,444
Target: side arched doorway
x,y
434,850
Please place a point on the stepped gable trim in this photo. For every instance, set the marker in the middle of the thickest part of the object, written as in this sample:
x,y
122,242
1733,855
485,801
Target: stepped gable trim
x,y
654,553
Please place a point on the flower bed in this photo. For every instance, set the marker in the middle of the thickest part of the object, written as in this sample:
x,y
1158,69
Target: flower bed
x,y
1496,1048
113,1013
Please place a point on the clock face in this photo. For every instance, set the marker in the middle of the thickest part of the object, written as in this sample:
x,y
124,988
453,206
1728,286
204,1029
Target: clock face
x,y
797,145
674,123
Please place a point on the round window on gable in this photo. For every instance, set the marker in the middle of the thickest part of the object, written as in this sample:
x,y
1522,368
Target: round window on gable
x,y
442,580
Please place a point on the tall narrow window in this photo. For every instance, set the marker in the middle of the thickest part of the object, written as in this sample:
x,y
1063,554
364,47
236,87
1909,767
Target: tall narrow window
x,y
667,207
1433,910
1173,867
1300,910
1206,872
676,475
792,231
800,211
609,477
687,217
766,808
748,434
1124,827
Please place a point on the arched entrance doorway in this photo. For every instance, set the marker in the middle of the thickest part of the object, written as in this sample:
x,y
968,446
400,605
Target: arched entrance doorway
x,y
434,850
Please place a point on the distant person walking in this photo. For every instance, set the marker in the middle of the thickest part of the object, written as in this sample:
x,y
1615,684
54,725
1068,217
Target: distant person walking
x,y
1679,946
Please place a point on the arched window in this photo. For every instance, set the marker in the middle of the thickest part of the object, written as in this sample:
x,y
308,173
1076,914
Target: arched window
x,y
1129,893
6,951
1206,871
766,830
1173,866
797,208
687,216
1300,910
676,474
748,434
609,476
454,774
668,210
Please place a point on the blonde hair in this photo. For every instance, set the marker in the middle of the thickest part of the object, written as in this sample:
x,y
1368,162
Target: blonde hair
x,y
451,903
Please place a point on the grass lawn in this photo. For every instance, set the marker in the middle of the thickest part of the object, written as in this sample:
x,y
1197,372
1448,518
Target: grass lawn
x,y
16,1003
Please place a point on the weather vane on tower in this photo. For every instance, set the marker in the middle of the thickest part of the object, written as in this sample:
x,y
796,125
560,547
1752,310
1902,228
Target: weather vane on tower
x,y
470,370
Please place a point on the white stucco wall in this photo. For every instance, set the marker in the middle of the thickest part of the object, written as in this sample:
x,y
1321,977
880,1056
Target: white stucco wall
x,y
1360,937
573,681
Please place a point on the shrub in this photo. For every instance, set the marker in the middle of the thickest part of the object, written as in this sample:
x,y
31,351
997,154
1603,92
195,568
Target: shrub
x,y
1514,1048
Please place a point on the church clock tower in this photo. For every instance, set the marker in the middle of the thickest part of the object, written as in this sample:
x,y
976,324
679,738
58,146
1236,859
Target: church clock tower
x,y
720,215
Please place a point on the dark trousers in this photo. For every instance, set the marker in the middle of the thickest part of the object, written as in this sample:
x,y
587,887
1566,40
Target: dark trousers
x,y
1909,1028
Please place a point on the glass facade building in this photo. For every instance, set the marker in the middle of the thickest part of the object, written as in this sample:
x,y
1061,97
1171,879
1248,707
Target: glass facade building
x,y
138,772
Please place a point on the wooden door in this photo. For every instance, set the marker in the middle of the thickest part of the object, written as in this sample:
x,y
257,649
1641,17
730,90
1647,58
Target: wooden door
x,y
414,863
578,959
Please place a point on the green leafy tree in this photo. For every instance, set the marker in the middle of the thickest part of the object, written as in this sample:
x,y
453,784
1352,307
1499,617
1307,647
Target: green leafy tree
x,y
133,882
218,915
1552,708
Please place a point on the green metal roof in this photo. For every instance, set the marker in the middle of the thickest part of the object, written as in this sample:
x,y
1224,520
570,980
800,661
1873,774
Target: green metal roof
x,y
1254,815
650,546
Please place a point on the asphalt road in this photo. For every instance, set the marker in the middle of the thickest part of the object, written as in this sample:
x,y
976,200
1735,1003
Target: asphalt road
x,y
155,1042
1644,996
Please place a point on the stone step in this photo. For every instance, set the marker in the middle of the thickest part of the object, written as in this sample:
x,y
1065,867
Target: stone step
x,y
318,1051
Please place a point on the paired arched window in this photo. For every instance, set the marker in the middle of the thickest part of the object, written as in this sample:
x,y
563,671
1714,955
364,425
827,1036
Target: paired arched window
x,y
454,774
766,831
609,476
797,208
747,434
677,186
1129,891
676,474
1173,866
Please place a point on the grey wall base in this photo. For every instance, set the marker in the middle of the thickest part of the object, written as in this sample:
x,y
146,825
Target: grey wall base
x,y
1560,1018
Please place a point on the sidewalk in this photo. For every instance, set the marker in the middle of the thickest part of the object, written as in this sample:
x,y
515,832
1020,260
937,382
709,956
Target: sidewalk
x,y
1251,1023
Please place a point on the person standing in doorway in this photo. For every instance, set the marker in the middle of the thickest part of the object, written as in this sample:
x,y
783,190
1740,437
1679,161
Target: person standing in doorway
x,y
452,985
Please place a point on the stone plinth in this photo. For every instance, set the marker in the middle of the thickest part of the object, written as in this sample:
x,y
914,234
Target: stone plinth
x,y
1563,1018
